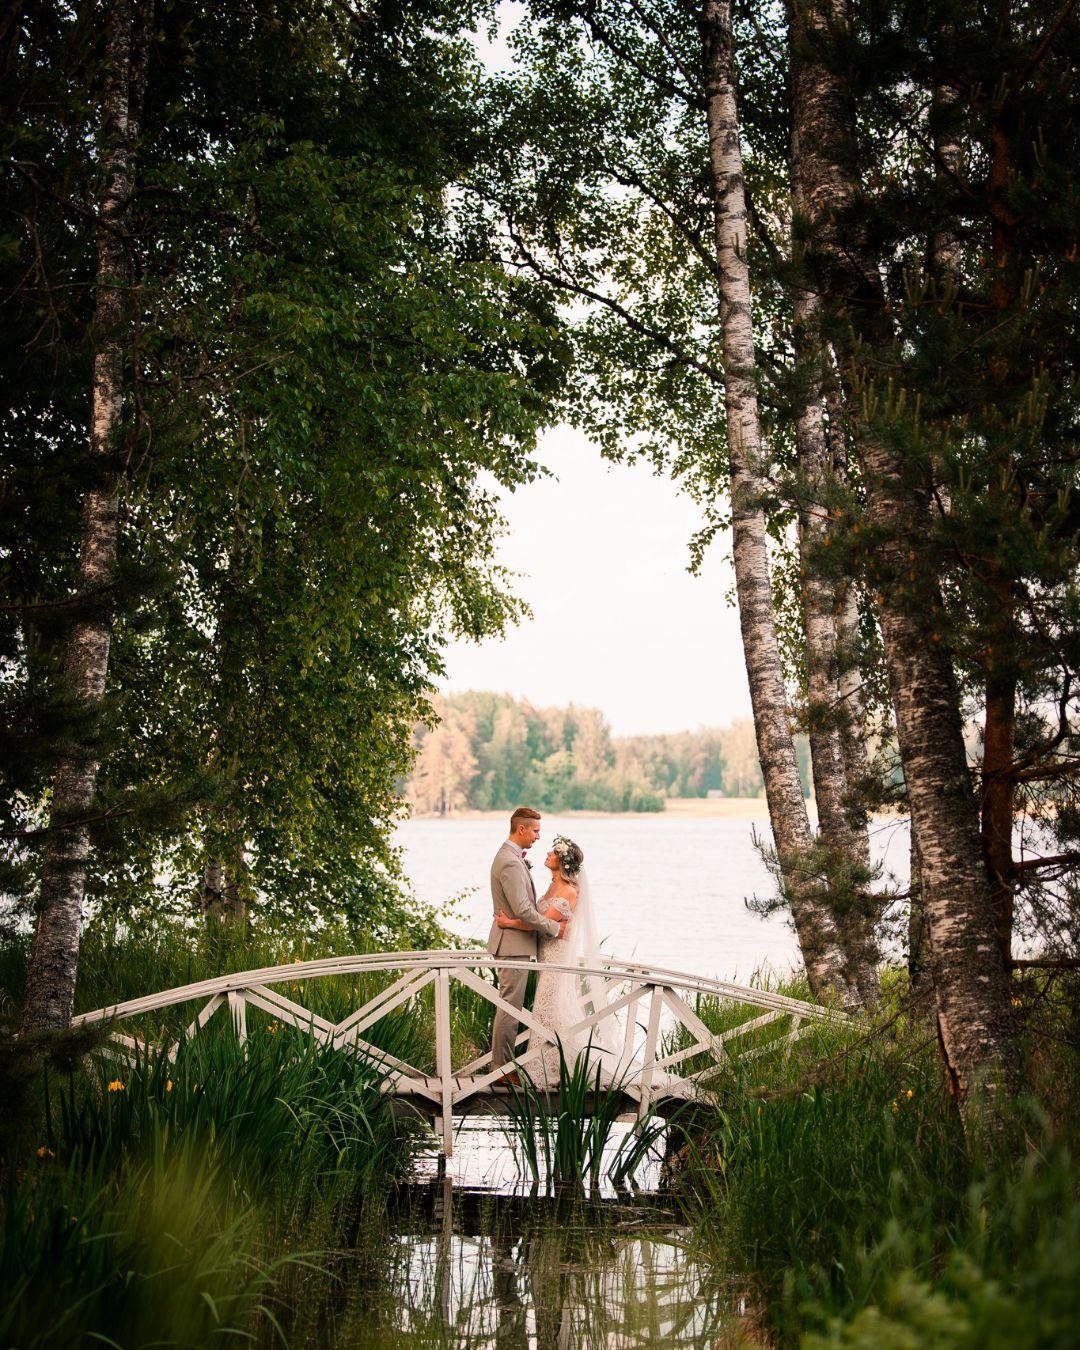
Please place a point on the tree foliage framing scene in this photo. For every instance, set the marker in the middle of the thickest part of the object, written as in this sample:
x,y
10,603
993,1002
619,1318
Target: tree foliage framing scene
x,y
293,293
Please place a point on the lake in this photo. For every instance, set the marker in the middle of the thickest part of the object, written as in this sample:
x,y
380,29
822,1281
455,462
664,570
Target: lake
x,y
669,891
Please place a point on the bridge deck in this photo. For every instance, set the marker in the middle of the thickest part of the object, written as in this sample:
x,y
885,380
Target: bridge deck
x,y
500,1101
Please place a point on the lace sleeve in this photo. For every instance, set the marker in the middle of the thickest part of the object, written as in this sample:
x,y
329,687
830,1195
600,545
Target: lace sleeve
x,y
563,906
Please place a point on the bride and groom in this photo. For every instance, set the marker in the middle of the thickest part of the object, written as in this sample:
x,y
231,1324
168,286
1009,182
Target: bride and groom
x,y
558,929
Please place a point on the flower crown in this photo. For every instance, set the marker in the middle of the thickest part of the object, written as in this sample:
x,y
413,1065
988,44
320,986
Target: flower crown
x,y
569,854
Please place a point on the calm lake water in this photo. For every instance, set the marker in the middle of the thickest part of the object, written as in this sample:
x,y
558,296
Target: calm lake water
x,y
668,891
549,1277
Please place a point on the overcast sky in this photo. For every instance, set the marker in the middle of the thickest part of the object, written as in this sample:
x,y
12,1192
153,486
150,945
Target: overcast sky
x,y
618,622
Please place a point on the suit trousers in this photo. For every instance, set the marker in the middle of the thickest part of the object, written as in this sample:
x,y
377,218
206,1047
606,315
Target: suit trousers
x,y
512,984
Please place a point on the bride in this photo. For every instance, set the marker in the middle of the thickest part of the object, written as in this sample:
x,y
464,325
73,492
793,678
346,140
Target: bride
x,y
563,1000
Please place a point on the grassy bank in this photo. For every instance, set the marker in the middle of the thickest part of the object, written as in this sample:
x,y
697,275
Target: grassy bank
x,y
186,1202
837,1181
233,1195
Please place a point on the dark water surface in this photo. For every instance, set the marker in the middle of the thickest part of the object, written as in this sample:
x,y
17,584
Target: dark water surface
x,y
465,1267
520,1265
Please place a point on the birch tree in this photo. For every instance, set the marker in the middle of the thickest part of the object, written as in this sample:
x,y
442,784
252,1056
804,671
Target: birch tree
x,y
969,974
50,984
819,939
330,374
667,347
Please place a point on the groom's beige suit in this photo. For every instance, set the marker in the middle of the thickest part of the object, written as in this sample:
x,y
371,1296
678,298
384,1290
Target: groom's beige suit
x,y
513,894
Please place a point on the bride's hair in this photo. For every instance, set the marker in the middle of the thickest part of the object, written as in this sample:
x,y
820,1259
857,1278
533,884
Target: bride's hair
x,y
570,856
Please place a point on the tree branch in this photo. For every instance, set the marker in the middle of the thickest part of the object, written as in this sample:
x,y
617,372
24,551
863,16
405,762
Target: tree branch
x,y
657,335
1070,859
603,36
1044,45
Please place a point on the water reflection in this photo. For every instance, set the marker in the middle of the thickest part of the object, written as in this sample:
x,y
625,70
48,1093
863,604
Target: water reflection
x,y
487,1156
529,1274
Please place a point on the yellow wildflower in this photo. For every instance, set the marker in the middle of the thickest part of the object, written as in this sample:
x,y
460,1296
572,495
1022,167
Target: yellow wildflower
x,y
168,1085
116,1085
909,1093
44,1152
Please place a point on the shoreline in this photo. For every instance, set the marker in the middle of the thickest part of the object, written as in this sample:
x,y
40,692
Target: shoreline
x,y
675,808
683,808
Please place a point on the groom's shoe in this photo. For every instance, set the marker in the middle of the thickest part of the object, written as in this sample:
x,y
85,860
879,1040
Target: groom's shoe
x,y
511,1079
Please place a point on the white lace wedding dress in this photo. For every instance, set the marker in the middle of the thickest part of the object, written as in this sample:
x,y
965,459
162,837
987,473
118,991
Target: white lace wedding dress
x,y
563,1000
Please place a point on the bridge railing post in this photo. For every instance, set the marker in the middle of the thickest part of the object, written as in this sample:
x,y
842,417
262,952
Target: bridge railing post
x,y
648,1063
238,1009
442,1058
630,1031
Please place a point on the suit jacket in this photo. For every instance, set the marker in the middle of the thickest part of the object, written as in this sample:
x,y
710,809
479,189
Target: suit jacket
x,y
513,894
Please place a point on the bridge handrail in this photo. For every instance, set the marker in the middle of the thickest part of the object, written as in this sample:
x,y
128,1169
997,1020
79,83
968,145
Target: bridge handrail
x,y
449,959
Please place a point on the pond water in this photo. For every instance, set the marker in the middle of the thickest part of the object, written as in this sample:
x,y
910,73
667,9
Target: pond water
x,y
541,1274
668,891
466,1268
488,1159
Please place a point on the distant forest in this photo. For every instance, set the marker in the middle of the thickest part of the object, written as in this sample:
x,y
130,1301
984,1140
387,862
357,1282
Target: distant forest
x,y
491,751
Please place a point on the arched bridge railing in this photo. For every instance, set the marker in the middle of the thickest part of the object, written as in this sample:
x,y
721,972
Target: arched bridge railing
x,y
650,1008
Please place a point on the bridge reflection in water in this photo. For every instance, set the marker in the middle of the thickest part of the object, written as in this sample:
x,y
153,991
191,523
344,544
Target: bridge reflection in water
x,y
667,1051
480,1271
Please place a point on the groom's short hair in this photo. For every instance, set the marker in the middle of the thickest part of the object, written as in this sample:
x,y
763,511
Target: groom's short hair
x,y
522,813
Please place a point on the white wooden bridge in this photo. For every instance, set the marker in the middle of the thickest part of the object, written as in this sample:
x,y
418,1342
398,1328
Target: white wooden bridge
x,y
646,1004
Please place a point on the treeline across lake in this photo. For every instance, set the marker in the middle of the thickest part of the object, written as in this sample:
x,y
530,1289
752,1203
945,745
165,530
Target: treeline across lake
x,y
489,751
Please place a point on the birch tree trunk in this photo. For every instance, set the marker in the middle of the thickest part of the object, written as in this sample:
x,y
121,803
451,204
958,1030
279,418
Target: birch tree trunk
x,y
829,613
50,983
222,899
816,931
970,979
849,676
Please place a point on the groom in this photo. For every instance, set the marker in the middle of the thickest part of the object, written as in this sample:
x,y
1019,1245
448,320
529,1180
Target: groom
x,y
513,894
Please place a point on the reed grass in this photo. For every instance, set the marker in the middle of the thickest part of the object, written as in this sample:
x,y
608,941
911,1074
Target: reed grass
x,y
162,1251
236,1192
564,1130
171,1202
837,1178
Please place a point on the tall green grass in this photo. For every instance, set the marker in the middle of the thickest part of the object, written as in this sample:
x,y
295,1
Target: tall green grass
x,y
281,1106
837,1177
220,1196
148,1201
159,1251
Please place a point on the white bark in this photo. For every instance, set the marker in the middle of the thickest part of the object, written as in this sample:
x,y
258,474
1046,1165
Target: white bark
x,y
970,980
772,714
50,985
827,603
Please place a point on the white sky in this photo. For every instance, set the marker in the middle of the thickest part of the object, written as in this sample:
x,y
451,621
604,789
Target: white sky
x,y
619,624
